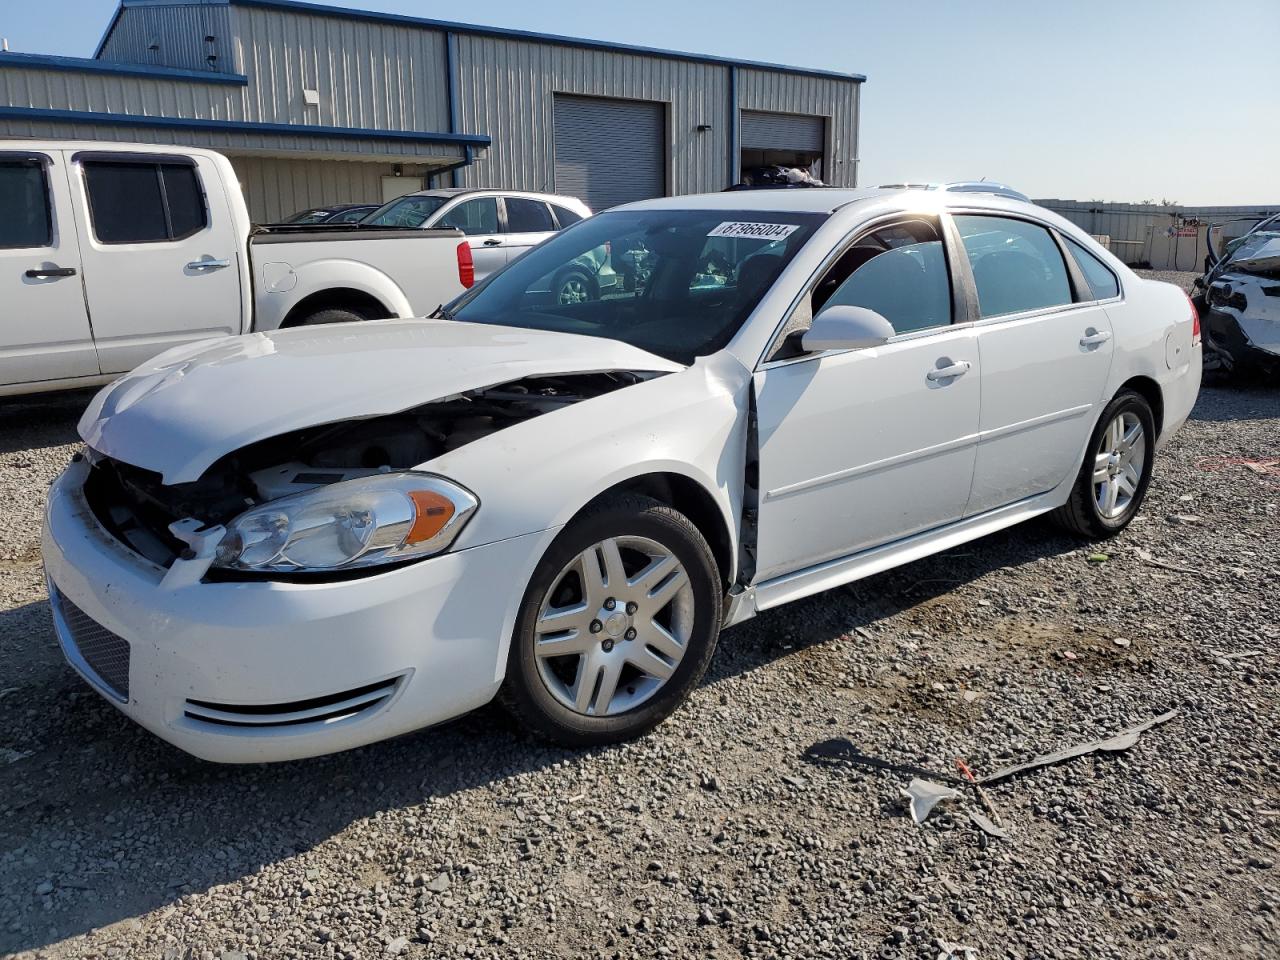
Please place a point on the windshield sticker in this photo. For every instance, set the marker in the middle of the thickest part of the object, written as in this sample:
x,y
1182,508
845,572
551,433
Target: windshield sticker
x,y
754,231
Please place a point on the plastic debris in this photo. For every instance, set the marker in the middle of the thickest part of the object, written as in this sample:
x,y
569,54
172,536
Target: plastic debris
x,y
925,795
1121,741
955,951
986,826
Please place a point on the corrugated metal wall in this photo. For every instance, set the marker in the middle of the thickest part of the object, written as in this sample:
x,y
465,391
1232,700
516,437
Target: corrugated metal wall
x,y
369,75
275,188
837,100
506,87
1140,233
179,31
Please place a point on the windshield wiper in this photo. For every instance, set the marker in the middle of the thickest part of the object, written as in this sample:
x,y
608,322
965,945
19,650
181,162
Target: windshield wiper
x,y
441,313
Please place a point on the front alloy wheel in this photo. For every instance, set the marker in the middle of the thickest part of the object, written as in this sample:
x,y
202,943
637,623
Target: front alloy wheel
x,y
617,626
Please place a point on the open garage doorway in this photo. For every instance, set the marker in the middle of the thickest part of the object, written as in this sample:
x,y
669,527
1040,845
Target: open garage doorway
x,y
781,140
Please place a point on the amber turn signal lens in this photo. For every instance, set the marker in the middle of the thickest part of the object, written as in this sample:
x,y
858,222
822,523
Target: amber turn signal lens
x,y
433,511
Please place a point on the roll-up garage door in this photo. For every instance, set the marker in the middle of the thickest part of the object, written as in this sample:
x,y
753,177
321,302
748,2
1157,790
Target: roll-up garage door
x,y
782,131
609,151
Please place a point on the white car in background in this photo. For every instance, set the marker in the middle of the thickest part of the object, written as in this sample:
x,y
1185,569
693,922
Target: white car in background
x,y
350,532
499,224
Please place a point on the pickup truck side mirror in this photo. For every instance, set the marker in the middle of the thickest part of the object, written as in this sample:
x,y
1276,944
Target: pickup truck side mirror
x,y
843,327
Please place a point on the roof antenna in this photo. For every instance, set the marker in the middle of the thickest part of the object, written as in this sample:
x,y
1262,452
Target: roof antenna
x,y
4,44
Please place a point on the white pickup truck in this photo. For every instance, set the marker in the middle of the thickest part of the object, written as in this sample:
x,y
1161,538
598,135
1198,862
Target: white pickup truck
x,y
112,253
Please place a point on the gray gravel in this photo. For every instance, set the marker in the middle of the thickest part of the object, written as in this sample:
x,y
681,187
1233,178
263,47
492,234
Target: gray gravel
x,y
713,836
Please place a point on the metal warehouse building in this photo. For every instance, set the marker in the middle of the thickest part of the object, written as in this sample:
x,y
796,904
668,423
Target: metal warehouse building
x,y
319,105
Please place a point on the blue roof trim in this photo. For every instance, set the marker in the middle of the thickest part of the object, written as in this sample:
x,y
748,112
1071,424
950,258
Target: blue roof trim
x,y
300,6
40,61
238,126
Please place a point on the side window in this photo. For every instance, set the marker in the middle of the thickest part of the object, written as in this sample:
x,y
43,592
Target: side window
x,y
144,202
1102,281
1016,265
566,216
24,205
473,217
899,271
528,216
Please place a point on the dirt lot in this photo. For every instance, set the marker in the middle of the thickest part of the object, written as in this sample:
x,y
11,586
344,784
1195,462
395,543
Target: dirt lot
x,y
715,836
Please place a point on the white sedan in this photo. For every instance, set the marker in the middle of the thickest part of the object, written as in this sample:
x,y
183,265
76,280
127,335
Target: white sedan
x,y
291,543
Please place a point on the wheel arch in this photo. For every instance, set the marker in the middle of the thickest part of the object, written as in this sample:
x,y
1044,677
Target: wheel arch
x,y
687,495
1150,391
337,298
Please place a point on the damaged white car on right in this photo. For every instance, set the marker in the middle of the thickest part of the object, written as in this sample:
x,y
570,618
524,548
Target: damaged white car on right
x,y
295,542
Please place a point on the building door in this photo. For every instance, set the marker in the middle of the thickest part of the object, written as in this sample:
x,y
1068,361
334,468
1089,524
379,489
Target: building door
x,y
783,139
609,151
393,188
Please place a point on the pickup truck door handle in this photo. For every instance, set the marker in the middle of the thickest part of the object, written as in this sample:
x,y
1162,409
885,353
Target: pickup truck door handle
x,y
209,264
48,273
493,243
1094,337
957,369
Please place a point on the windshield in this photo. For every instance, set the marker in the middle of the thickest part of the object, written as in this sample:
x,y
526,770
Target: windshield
x,y
309,216
410,211
678,283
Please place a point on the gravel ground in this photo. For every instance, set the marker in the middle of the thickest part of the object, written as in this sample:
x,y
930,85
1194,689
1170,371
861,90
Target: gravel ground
x,y
713,836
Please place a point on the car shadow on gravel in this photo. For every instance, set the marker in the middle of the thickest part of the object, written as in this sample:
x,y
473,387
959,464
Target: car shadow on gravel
x,y
122,824
1227,403
44,420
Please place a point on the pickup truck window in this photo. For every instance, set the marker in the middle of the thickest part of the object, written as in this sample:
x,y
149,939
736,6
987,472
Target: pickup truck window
x,y
24,205
476,217
133,202
678,283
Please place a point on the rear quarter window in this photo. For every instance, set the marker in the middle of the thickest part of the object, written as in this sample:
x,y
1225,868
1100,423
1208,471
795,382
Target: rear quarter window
x,y
1102,281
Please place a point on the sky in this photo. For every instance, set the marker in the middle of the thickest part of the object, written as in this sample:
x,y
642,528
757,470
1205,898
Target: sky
x,y
1124,100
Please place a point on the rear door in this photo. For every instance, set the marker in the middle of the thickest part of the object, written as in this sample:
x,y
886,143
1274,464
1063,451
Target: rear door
x,y
44,327
1046,346
529,222
478,218
159,248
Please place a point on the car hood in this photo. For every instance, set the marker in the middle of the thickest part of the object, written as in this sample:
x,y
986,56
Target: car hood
x,y
186,408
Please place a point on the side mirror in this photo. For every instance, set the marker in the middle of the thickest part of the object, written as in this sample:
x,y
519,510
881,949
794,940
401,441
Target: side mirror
x,y
842,327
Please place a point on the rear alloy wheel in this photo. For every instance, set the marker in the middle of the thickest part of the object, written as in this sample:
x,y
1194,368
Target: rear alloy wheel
x,y
1113,479
618,625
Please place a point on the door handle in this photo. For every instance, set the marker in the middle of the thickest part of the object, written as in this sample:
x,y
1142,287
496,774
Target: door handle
x,y
493,243
48,273
957,369
1095,338
208,264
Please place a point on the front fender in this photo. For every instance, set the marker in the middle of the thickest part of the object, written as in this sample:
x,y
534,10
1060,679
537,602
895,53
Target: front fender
x,y
539,474
284,286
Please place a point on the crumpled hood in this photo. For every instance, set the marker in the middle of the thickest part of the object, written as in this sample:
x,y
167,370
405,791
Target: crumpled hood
x,y
187,407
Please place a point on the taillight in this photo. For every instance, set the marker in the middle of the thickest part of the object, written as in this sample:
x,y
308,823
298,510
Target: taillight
x,y
466,265
1195,321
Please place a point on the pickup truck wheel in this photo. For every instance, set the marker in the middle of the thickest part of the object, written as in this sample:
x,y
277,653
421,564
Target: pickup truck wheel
x,y
332,315
617,626
1116,471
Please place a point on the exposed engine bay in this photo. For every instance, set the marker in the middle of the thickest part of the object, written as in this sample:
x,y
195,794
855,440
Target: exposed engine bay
x,y
1239,301
137,507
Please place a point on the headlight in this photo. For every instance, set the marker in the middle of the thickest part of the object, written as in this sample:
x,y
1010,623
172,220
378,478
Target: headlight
x,y
357,523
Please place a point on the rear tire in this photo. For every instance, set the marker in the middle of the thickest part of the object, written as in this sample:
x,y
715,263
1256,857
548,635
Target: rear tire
x,y
576,677
332,315
1113,479
573,287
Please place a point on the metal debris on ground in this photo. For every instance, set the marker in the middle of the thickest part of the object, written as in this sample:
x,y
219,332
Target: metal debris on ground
x,y
924,795
986,826
982,794
1121,741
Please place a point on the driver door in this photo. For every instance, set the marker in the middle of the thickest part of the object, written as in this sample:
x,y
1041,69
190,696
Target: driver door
x,y
859,448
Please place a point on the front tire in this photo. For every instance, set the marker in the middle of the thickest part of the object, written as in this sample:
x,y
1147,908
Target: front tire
x,y
1113,479
617,626
574,287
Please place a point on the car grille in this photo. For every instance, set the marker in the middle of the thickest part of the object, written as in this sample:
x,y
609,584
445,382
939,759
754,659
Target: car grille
x,y
344,706
104,654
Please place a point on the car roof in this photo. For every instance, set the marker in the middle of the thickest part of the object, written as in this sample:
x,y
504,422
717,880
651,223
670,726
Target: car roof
x,y
830,199
459,191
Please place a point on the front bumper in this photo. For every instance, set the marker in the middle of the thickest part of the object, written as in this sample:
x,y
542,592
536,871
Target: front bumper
x,y
259,671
